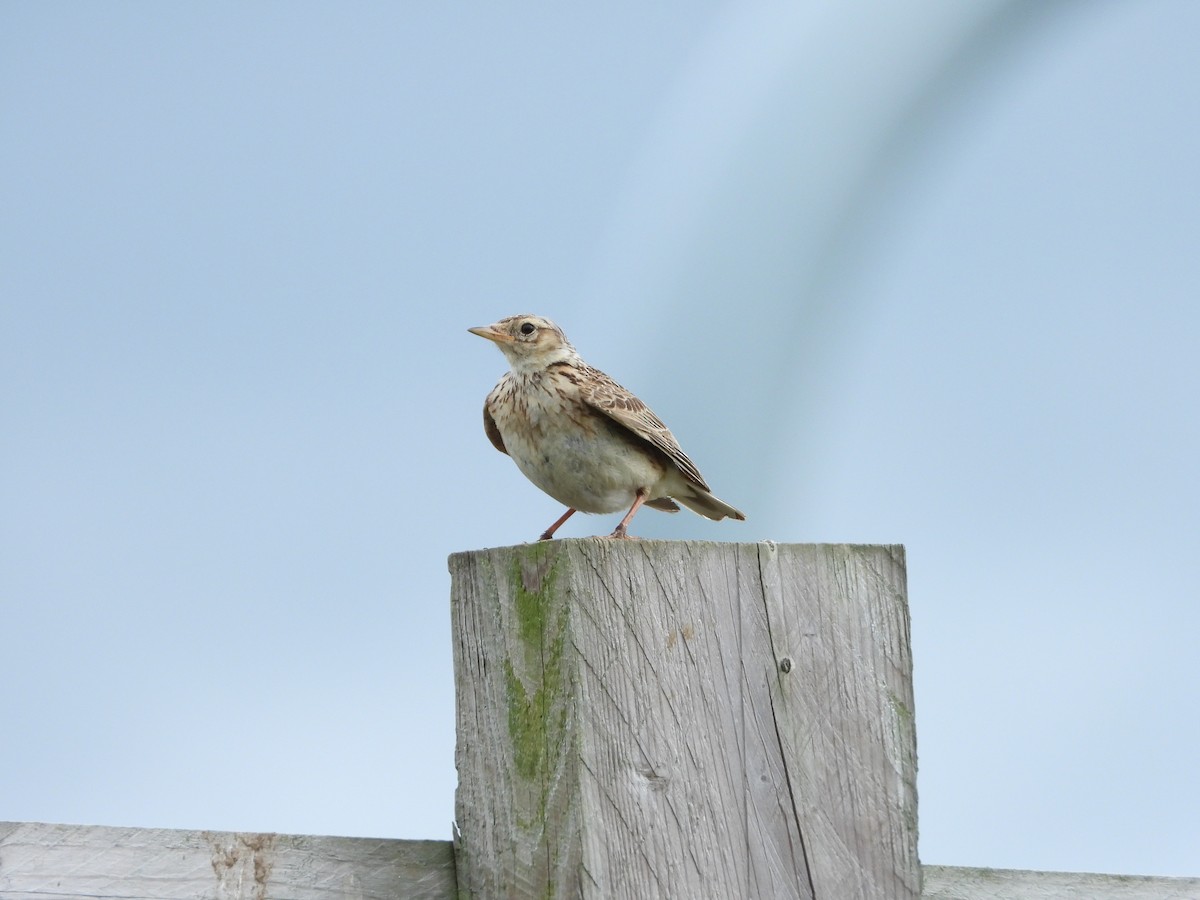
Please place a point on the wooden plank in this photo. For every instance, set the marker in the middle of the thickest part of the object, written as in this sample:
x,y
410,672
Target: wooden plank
x,y
661,719
845,713
52,862
956,883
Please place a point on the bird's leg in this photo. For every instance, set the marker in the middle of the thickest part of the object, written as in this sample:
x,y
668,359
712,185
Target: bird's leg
x,y
549,532
621,530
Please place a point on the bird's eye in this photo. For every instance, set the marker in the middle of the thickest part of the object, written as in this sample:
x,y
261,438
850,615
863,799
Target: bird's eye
x,y
528,328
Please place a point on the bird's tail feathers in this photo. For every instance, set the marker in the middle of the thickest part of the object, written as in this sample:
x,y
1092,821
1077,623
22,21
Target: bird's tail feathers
x,y
709,506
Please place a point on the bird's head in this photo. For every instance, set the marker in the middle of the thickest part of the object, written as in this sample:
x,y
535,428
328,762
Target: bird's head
x,y
529,342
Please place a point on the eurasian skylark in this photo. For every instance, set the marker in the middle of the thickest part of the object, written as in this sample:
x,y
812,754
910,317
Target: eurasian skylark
x,y
580,436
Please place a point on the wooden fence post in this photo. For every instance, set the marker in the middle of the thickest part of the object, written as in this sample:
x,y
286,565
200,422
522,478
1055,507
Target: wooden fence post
x,y
635,719
662,719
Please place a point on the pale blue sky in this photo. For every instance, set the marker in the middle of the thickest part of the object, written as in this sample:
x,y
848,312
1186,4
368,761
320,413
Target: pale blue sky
x,y
924,275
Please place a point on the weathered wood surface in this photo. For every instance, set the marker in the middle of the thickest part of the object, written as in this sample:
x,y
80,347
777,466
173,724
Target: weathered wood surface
x,y
52,862
958,883
55,862
651,719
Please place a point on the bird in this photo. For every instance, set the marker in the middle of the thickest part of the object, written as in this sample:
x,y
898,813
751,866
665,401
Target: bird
x,y
581,437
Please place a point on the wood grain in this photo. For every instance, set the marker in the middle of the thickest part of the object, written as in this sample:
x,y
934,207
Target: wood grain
x,y
959,883
54,862
662,719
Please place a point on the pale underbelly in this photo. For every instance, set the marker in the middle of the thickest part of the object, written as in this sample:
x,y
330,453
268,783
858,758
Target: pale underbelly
x,y
598,473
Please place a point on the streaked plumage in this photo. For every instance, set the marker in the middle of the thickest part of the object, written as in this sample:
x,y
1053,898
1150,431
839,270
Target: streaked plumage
x,y
580,436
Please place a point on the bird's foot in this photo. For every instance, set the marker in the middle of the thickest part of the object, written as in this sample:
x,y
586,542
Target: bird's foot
x,y
620,534
546,536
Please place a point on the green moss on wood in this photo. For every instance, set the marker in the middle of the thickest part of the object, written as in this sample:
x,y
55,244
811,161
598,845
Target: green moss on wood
x,y
536,704
532,577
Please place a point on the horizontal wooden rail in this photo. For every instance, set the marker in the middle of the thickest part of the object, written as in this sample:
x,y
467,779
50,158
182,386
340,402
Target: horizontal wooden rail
x,y
57,862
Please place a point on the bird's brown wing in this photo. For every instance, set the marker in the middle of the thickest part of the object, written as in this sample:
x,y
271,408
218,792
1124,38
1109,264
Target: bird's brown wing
x,y
493,433
606,396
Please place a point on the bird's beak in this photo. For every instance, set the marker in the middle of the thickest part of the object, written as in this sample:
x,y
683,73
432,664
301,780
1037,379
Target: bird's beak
x,y
492,333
